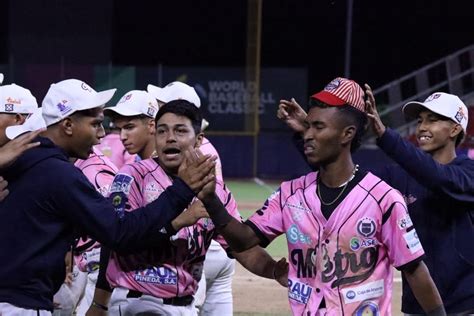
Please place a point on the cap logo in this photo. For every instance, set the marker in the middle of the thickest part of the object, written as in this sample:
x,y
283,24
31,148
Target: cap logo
x,y
14,101
432,97
126,98
63,108
151,111
9,107
86,87
333,85
460,115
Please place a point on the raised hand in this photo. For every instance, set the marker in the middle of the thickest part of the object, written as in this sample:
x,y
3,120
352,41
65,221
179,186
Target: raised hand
x,y
292,114
195,212
197,169
280,272
14,148
372,113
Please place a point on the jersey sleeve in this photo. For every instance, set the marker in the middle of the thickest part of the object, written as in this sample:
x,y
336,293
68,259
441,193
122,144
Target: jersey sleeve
x,y
267,222
398,233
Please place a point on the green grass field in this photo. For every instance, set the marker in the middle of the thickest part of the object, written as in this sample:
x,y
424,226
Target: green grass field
x,y
248,192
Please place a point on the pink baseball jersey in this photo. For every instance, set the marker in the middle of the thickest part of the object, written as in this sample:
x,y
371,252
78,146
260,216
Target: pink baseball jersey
x,y
101,172
173,268
208,149
345,259
111,146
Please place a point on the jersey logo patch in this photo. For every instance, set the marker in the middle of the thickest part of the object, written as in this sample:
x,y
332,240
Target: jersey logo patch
x,y
294,236
412,240
367,309
157,275
366,227
299,292
363,292
122,183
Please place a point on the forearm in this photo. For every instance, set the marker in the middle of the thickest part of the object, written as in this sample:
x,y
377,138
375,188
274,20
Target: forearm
x,y
257,261
424,289
239,236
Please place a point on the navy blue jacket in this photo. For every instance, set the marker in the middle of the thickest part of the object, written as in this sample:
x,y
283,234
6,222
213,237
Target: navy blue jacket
x,y
440,201
50,203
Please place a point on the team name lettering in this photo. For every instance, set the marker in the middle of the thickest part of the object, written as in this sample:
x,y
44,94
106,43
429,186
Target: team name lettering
x,y
304,263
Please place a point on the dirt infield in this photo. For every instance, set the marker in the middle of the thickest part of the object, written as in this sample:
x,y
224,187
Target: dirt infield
x,y
257,296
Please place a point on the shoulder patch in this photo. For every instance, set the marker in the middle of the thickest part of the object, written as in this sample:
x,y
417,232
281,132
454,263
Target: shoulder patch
x,y
122,183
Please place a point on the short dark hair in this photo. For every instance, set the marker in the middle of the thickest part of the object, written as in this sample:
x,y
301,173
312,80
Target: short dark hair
x,y
351,116
89,112
182,108
459,139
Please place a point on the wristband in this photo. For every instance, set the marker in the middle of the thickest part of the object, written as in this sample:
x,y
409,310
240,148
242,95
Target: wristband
x,y
218,213
100,306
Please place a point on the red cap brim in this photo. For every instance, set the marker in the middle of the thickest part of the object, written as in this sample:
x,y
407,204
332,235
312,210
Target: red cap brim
x,y
328,98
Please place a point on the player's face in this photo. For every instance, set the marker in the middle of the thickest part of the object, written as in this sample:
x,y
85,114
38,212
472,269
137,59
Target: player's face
x,y
7,120
434,133
174,134
135,132
322,137
87,131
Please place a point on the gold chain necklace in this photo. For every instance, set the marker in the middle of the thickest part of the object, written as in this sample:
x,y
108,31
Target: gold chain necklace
x,y
344,186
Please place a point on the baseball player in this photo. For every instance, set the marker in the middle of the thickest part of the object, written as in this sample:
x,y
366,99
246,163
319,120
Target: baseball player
x,y
214,296
112,147
16,104
45,215
168,275
438,187
343,225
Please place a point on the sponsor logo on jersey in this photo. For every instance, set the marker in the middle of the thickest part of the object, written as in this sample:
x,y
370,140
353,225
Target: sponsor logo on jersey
x,y
363,292
297,215
299,292
294,235
359,265
119,201
157,275
122,183
367,309
298,206
366,227
404,222
356,243
152,192
304,262
412,240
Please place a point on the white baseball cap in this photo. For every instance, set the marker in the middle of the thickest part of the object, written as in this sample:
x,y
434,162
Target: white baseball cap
x,y
136,102
16,99
69,96
176,90
34,122
444,104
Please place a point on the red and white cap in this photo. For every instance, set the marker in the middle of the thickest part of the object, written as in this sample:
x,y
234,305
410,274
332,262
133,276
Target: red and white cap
x,y
135,102
16,99
175,91
341,91
69,96
444,104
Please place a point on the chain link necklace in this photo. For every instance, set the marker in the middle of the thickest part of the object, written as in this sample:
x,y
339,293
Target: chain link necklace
x,y
343,186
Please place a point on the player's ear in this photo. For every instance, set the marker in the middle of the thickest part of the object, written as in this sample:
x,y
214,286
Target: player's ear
x,y
19,119
151,126
348,134
199,138
455,130
67,126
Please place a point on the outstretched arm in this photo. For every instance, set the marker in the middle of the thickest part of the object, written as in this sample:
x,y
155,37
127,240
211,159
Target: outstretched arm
x,y
259,262
424,289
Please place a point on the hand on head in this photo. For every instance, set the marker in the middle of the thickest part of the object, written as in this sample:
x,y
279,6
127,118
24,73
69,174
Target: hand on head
x,y
292,114
13,149
372,113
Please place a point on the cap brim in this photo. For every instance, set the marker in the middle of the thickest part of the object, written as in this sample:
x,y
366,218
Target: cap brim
x,y
33,123
413,108
101,99
328,98
155,91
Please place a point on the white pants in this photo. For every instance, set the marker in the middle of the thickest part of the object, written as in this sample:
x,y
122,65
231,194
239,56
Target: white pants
x,y
120,305
7,309
88,296
69,295
218,270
